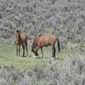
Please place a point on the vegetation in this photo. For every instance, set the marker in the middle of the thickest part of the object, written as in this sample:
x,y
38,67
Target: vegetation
x,y
67,69
65,19
8,57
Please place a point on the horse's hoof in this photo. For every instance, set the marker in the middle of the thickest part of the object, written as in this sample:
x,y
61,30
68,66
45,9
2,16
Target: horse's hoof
x,y
24,56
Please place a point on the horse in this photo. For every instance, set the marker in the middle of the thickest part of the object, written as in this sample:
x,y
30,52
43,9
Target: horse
x,y
43,41
21,40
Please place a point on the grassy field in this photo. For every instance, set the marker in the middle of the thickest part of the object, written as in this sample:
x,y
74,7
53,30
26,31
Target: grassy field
x,y
8,57
67,69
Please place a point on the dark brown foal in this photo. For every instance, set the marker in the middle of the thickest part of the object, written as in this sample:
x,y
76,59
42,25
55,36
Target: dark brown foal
x,y
21,40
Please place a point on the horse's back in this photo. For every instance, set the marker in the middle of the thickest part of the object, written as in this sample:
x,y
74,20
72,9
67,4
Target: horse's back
x,y
47,39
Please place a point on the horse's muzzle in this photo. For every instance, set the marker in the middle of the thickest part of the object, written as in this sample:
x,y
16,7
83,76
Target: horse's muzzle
x,y
36,53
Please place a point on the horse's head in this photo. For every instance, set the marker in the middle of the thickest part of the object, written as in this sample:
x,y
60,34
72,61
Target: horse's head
x,y
17,31
34,47
34,51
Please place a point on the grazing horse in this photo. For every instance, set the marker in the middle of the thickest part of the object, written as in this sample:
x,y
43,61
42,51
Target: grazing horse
x,y
21,40
43,41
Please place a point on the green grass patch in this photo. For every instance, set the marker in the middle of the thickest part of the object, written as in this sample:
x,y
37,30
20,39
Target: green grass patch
x,y
8,56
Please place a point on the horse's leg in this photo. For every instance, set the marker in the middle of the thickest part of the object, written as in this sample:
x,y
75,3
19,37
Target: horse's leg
x,y
19,50
26,48
42,52
54,51
23,50
16,50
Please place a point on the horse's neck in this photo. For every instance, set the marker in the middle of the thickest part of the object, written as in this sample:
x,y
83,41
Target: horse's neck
x,y
35,41
19,37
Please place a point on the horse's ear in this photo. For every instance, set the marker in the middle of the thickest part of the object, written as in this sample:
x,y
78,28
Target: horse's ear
x,y
18,31
39,34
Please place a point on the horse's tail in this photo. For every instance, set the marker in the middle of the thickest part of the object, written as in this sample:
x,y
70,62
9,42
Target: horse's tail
x,y
58,44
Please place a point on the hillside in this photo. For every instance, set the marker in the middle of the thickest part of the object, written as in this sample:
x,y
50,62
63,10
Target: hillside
x,y
64,18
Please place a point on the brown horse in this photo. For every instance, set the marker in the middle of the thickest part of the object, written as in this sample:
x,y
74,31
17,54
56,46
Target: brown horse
x,y
21,40
45,40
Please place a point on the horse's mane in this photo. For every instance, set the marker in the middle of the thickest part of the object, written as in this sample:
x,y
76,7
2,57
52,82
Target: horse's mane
x,y
35,42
